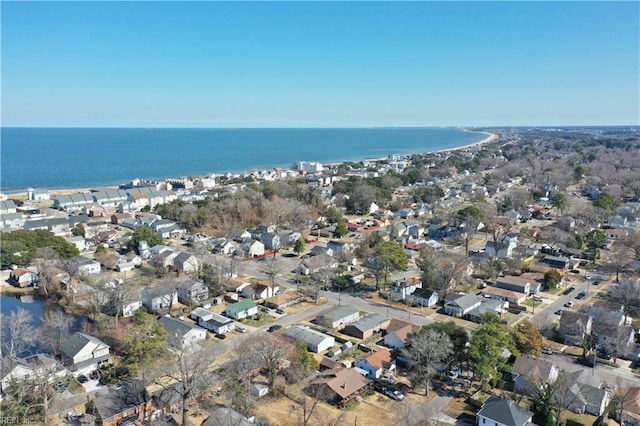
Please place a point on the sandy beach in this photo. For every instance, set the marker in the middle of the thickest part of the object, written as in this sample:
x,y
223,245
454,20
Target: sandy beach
x,y
490,138
56,192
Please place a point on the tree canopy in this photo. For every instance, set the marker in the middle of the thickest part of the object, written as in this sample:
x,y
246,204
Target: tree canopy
x,y
487,350
20,246
144,233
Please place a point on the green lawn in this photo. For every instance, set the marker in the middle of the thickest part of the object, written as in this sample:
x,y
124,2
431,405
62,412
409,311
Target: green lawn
x,y
263,319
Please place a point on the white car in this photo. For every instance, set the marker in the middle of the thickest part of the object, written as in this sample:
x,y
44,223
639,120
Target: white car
x,y
547,350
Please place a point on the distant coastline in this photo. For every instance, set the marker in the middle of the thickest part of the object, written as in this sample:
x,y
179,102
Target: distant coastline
x,y
394,145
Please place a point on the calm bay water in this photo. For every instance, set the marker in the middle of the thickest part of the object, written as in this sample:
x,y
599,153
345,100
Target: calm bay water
x,y
57,158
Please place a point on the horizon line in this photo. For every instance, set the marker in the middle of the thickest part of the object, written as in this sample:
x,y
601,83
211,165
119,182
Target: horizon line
x,y
327,127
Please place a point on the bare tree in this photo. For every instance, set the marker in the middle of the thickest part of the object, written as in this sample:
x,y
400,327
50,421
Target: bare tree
x,y
269,351
619,259
188,376
55,329
272,271
18,332
321,279
426,353
46,261
627,293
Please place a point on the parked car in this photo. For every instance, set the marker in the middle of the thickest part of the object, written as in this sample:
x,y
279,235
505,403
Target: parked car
x,y
95,375
581,295
60,386
537,298
558,312
604,355
568,304
273,328
547,350
265,310
280,311
241,329
221,336
588,276
82,379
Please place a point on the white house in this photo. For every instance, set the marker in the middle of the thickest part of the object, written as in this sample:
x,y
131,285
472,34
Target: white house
x,y
378,363
530,371
316,341
86,265
503,247
461,305
406,286
31,367
397,333
216,323
242,309
77,241
83,351
424,297
182,335
500,412
159,297
339,316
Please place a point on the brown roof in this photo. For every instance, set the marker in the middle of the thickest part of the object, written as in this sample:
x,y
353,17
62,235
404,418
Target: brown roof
x,y
344,382
534,368
18,272
380,358
402,328
632,401
503,292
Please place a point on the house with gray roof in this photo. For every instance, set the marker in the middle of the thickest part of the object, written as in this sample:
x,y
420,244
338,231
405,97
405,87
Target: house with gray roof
x,y
81,351
12,220
339,317
366,326
182,334
160,297
499,411
461,305
316,341
109,197
73,202
7,206
216,323
529,372
86,265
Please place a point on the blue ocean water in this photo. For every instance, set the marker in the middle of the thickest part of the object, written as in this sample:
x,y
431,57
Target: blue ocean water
x,y
56,158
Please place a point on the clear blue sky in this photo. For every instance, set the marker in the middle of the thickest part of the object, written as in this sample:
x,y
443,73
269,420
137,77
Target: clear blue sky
x,y
300,64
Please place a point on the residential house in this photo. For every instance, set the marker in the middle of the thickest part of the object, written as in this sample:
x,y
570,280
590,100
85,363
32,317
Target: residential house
x,y
487,306
461,304
503,247
182,334
260,291
86,265
73,202
316,264
574,327
216,323
377,363
521,285
397,333
320,250
193,293
403,288
614,339
558,262
239,235
366,326
77,241
505,295
250,248
185,262
530,372
130,405
338,386
7,207
424,297
225,416
237,285
283,300
338,317
12,220
160,297
33,366
82,351
341,247
22,277
631,407
271,241
242,309
583,395
500,412
316,341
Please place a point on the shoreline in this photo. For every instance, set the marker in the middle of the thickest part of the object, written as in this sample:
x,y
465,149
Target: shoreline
x,y
21,194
